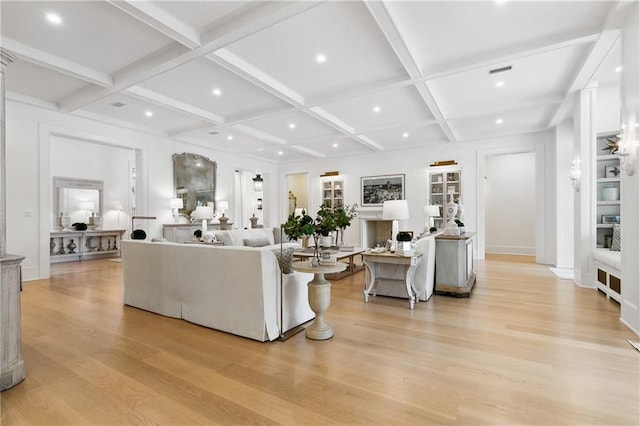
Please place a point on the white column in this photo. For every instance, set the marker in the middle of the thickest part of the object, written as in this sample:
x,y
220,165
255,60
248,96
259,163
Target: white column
x,y
630,185
11,363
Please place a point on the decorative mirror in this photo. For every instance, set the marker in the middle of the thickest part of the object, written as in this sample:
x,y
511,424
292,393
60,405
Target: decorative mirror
x,y
194,178
77,198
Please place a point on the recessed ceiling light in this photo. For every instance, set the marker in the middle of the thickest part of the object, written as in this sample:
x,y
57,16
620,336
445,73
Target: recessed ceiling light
x,y
335,145
405,135
54,18
280,152
216,91
500,83
292,125
618,69
376,108
499,121
321,58
230,137
148,113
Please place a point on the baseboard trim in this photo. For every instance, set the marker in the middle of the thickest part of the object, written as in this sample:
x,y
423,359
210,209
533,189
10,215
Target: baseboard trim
x,y
526,251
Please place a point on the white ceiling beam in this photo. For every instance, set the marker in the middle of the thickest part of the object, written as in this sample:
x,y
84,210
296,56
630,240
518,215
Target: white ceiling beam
x,y
174,104
242,68
159,19
405,124
601,48
56,63
30,100
250,131
390,30
256,19
307,151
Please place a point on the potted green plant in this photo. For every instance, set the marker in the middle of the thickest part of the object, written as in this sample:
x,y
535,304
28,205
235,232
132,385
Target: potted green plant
x,y
325,223
299,227
343,217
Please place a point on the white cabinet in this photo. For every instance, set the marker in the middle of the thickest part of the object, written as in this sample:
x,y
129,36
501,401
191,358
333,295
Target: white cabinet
x,y
607,174
445,184
332,193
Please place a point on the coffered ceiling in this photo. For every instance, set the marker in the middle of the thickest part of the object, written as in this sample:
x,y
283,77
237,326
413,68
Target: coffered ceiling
x,y
285,81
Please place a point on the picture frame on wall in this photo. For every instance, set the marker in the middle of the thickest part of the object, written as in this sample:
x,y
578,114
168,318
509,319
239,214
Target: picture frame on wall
x,y
374,190
610,218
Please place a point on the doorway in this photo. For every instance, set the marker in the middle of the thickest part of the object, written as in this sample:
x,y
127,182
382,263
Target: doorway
x,y
297,192
508,180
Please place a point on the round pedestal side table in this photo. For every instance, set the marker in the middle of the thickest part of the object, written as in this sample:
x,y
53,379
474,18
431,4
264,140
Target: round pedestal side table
x,y
319,297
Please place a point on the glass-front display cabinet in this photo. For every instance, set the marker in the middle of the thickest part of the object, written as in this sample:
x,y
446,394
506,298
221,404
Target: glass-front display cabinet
x,y
445,185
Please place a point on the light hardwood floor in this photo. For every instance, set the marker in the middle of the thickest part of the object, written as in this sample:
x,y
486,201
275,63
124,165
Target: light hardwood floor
x,y
526,348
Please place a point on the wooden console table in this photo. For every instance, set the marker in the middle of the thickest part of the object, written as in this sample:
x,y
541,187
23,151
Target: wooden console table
x,y
372,261
71,246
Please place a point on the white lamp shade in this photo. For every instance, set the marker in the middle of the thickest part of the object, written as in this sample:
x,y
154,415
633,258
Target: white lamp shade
x,y
203,213
176,203
223,205
432,211
395,209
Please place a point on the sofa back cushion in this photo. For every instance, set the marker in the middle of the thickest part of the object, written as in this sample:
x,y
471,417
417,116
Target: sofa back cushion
x,y
223,236
256,242
285,259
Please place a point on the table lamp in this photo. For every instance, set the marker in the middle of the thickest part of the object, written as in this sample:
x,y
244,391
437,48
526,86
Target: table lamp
x,y
222,207
430,211
175,204
395,210
203,213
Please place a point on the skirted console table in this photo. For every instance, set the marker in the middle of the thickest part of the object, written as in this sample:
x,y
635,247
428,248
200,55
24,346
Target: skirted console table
x,y
70,246
454,265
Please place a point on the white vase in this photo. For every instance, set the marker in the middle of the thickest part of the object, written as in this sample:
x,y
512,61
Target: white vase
x,y
327,241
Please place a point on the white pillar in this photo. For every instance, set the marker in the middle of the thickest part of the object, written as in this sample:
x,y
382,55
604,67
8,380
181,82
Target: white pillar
x,y
11,363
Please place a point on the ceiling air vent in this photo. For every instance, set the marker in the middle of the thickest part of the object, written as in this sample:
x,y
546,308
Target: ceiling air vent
x,y
213,133
117,104
497,70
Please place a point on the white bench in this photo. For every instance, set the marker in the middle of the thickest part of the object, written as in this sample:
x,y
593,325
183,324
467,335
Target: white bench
x,y
608,272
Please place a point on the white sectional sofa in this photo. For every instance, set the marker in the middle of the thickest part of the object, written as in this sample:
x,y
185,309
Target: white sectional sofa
x,y
231,288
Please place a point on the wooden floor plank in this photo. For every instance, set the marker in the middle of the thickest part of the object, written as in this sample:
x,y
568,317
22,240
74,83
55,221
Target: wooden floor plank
x,y
525,348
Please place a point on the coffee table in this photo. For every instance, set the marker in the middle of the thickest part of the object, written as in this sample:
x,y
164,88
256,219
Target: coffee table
x,y
352,268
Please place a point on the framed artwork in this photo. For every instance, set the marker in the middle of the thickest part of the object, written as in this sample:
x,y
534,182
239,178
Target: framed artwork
x,y
611,171
376,189
610,218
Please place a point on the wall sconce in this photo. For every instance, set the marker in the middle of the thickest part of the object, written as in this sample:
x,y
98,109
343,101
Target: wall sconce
x,y
575,174
628,150
259,203
257,183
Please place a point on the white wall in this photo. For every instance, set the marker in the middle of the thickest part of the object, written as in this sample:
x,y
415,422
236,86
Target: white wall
x,y
29,131
510,202
564,195
89,160
414,163
608,108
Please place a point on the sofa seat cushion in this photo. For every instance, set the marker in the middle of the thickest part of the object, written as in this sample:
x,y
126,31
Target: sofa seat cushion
x,y
608,258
